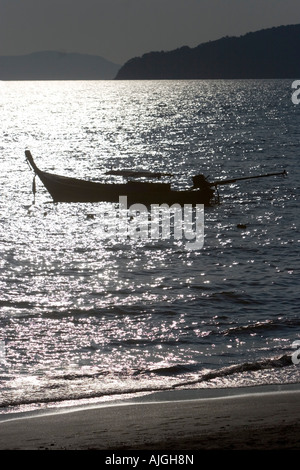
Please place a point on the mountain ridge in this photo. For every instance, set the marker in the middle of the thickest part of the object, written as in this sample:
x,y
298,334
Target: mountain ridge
x,y
267,53
54,65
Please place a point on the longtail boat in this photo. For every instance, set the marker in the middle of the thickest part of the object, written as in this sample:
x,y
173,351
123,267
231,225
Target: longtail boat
x,y
68,189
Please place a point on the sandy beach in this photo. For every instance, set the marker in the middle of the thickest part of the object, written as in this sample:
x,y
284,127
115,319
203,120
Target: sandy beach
x,y
252,421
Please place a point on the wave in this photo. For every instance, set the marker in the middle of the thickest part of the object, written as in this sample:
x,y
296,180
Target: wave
x,y
235,297
175,369
22,304
273,363
56,391
262,325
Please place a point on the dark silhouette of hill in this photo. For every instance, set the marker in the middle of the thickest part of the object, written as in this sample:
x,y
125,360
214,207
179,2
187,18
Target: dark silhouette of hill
x,y
50,65
268,53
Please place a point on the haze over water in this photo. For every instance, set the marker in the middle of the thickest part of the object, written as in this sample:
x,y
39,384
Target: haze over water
x,y
86,317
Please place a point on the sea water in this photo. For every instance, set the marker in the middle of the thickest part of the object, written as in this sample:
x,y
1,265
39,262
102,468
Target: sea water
x,y
85,317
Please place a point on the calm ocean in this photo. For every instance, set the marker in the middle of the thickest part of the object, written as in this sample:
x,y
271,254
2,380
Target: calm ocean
x,y
84,318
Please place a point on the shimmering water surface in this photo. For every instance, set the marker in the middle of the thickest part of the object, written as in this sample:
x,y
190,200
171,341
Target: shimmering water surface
x,y
87,317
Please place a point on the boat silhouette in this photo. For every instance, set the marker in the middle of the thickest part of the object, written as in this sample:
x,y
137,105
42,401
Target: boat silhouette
x,y
68,189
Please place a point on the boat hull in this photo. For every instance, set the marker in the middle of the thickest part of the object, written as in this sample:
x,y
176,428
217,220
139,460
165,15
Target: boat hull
x,y
65,189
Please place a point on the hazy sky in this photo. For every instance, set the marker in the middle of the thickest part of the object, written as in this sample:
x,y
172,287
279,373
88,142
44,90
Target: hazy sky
x,y
121,29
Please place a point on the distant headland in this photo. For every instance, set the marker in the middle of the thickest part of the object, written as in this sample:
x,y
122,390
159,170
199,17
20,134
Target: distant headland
x,y
268,53
52,65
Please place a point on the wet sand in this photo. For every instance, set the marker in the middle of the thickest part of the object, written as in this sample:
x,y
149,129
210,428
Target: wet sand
x,y
252,421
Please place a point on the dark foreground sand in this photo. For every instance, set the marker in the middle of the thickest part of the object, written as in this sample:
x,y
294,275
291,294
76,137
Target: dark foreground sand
x,y
257,421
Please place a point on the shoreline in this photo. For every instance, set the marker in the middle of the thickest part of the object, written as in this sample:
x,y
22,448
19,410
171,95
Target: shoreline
x,y
252,418
155,396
